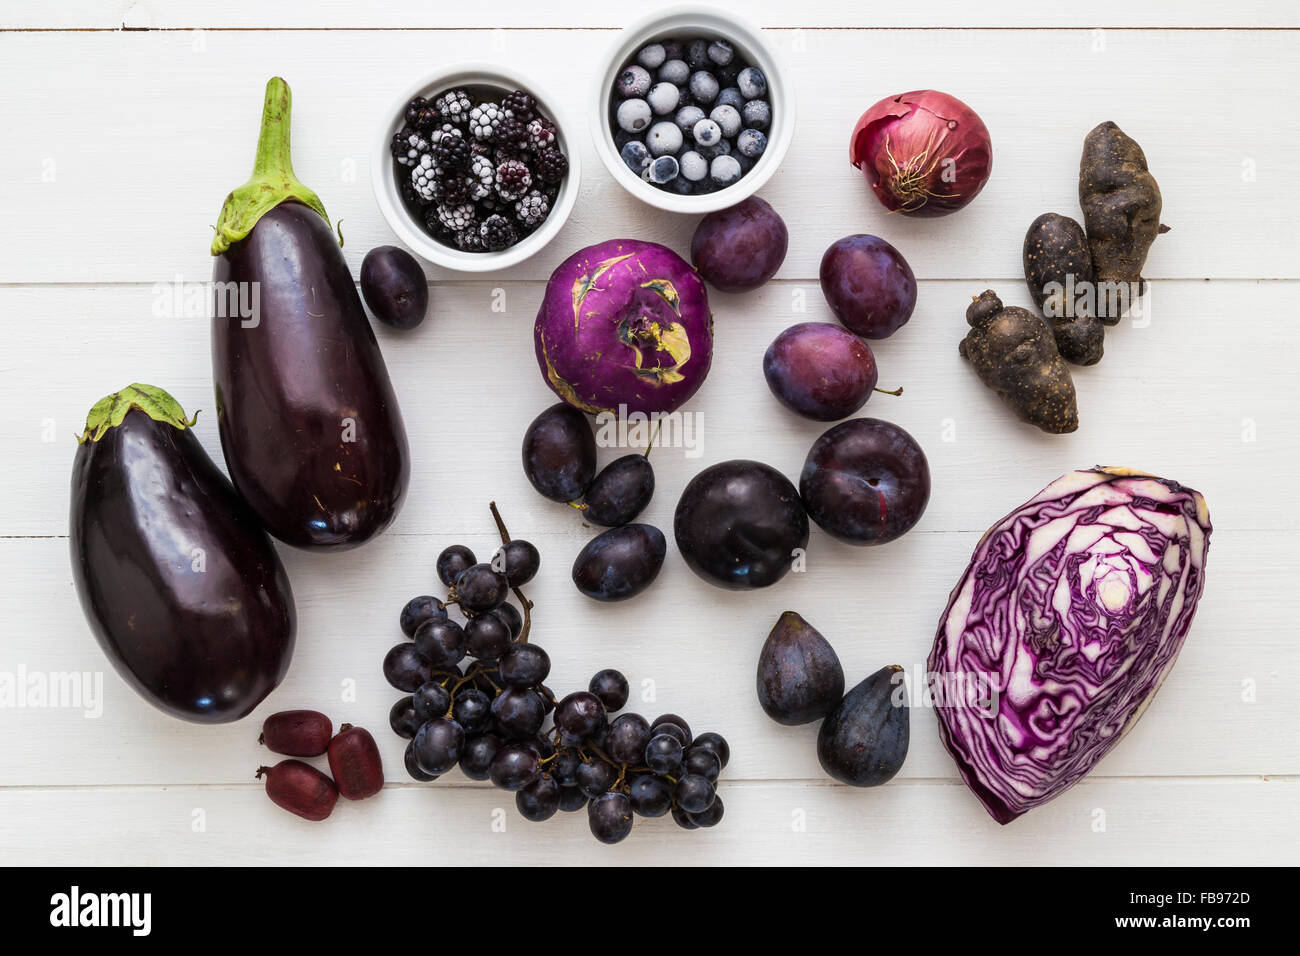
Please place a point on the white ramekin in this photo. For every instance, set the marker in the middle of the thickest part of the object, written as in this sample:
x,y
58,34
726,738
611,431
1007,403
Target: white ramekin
x,y
387,187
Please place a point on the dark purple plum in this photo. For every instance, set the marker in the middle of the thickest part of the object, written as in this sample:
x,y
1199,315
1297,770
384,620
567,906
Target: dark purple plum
x,y
560,453
865,481
740,248
739,523
868,285
620,563
620,491
820,371
393,285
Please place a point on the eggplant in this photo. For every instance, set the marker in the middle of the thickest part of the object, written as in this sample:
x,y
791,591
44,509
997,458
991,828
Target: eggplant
x,y
310,428
181,586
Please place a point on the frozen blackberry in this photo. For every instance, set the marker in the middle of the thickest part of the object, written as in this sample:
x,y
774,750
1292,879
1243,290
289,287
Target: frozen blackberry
x,y
470,241
454,106
511,133
541,134
452,189
457,218
435,227
506,154
408,144
482,177
551,166
438,133
513,180
409,195
452,153
413,109
484,121
422,177
520,105
532,209
497,233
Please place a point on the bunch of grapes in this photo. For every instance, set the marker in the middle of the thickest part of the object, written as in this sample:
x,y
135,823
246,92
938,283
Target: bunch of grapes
x,y
477,699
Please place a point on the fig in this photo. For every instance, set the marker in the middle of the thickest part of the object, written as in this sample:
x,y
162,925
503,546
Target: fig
x,y
299,788
799,674
355,763
863,741
297,733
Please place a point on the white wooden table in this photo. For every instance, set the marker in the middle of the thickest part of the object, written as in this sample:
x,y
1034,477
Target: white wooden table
x,y
119,146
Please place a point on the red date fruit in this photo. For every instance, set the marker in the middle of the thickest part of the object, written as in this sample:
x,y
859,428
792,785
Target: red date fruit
x,y
355,763
300,789
297,733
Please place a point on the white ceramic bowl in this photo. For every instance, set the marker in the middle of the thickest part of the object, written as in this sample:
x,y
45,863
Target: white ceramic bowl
x,y
387,187
687,23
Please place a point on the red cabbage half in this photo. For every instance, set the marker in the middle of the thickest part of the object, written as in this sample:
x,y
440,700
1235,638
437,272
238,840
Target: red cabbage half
x,y
1071,613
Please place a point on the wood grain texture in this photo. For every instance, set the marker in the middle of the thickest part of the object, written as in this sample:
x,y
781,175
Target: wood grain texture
x,y
100,223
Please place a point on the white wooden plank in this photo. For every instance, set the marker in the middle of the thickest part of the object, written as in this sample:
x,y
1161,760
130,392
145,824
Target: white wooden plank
x,y
1101,823
595,14
1202,394
1230,706
183,109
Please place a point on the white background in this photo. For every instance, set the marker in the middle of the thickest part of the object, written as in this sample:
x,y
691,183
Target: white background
x,y
119,147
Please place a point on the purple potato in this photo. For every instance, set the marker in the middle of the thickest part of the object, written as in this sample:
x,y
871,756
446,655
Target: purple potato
x,y
393,285
740,248
868,285
820,371
865,481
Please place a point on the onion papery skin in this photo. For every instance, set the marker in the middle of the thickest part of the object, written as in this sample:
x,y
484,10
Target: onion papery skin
x,y
1071,613
924,153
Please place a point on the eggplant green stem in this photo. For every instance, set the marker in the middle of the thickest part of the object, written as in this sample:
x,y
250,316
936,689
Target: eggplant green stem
x,y
109,411
272,181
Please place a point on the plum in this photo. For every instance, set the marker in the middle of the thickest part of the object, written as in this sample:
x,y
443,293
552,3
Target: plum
x,y
620,491
620,563
393,285
865,481
820,371
739,524
740,248
560,453
868,285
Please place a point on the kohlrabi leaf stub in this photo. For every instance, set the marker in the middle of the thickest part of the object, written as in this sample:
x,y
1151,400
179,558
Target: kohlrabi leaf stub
x,y
1070,615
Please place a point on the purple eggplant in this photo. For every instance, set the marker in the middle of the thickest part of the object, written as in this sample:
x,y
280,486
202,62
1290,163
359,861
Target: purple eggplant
x,y
309,424
180,584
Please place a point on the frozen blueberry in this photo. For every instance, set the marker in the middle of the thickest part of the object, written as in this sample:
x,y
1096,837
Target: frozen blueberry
x,y
664,139
652,57
633,81
622,137
694,166
731,96
746,164
635,155
727,74
752,83
673,49
682,186
687,117
751,143
720,52
707,132
757,114
664,169
725,170
664,98
697,54
704,87
727,117
721,148
675,71
634,115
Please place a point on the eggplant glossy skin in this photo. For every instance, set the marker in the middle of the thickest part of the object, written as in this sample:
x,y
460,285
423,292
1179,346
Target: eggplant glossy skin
x,y
181,586
310,427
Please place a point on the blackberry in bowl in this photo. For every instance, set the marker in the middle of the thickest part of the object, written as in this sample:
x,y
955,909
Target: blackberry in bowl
x,y
474,170
693,112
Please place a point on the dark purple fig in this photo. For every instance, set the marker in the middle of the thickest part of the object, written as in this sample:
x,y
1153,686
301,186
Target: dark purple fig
x,y
560,453
863,741
297,733
393,285
620,563
620,491
739,525
799,674
299,788
865,481
181,587
355,763
309,422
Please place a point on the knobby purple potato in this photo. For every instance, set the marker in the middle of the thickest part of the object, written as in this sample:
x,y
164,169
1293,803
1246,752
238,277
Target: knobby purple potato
x,y
1059,274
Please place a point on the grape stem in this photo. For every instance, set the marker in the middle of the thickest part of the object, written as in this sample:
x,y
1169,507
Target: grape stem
x,y
527,604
